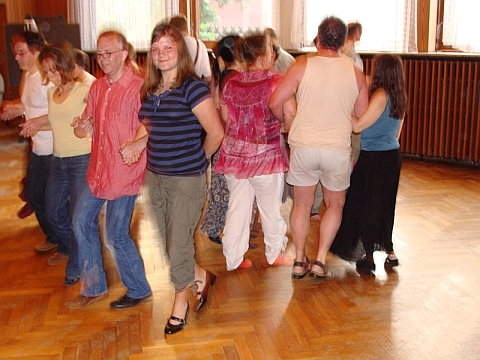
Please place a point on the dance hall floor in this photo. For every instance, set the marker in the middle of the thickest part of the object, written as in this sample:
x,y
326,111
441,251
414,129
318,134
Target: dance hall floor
x,y
427,308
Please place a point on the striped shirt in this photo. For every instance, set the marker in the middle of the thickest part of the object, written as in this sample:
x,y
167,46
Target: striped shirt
x,y
174,145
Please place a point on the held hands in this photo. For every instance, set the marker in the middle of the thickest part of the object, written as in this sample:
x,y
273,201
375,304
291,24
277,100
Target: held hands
x,y
82,126
31,127
131,152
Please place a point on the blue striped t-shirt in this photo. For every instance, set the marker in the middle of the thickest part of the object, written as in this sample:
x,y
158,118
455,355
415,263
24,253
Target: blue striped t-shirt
x,y
174,144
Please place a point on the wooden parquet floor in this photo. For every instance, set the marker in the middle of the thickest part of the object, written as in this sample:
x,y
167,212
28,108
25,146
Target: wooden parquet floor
x,y
428,308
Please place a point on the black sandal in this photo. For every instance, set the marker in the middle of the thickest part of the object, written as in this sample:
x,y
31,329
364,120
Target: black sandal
x,y
391,263
306,266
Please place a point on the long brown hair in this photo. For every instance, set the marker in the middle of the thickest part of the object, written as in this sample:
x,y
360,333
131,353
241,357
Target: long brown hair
x,y
388,75
184,67
60,56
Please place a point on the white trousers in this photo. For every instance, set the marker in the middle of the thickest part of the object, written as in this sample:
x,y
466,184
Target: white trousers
x,y
268,190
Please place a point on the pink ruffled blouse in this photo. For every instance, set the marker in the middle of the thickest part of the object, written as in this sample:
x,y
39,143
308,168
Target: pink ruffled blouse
x,y
253,144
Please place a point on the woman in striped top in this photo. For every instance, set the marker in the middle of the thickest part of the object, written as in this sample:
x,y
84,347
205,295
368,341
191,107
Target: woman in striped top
x,y
177,107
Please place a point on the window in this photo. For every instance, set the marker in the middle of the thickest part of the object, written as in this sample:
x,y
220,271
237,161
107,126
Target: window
x,y
459,29
219,18
387,25
134,19
297,20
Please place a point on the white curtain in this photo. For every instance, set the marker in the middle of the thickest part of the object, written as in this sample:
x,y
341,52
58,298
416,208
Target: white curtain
x,y
410,26
460,25
134,19
84,13
298,32
393,30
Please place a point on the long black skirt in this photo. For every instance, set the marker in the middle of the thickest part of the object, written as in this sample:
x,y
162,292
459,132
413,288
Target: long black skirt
x,y
369,211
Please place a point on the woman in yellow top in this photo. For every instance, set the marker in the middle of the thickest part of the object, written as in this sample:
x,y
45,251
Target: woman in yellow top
x,y
71,154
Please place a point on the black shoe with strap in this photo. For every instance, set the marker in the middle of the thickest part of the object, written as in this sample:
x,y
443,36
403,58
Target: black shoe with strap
x,y
172,328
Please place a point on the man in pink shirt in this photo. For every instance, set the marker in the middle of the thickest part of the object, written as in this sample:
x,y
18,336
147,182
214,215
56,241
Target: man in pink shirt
x,y
111,119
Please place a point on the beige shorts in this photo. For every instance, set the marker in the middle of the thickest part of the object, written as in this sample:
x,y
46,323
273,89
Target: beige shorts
x,y
309,165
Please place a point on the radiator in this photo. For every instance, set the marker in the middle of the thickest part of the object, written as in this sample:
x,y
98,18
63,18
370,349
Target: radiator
x,y
443,116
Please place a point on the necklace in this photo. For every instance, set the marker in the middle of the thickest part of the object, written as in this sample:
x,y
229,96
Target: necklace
x,y
163,85
60,92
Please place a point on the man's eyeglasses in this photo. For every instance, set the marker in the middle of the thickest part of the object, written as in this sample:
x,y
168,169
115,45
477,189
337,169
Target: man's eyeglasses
x,y
105,54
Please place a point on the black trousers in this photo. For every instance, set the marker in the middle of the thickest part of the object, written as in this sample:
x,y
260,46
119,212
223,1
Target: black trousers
x,y
369,211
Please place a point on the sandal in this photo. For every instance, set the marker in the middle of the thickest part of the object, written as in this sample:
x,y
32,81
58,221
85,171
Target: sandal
x,y
305,265
326,271
391,262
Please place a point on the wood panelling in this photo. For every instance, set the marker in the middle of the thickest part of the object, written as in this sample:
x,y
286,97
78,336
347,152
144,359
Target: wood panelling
x,y
52,8
17,9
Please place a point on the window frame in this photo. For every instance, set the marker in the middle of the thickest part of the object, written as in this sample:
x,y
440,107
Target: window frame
x,y
439,45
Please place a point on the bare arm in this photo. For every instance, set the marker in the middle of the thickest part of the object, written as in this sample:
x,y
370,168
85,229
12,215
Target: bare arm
x,y
286,90
400,129
32,126
377,105
362,100
289,112
207,115
12,109
224,113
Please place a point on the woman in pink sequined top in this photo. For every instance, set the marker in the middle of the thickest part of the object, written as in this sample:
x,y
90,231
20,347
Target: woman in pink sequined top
x,y
253,156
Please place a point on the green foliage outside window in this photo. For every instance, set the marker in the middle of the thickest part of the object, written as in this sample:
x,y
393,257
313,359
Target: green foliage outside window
x,y
210,28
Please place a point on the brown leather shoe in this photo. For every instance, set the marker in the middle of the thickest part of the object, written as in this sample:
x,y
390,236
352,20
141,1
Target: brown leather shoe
x,y
81,301
45,246
57,259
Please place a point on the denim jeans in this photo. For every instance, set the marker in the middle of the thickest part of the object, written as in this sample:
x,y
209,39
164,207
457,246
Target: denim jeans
x,y
118,214
35,186
65,183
